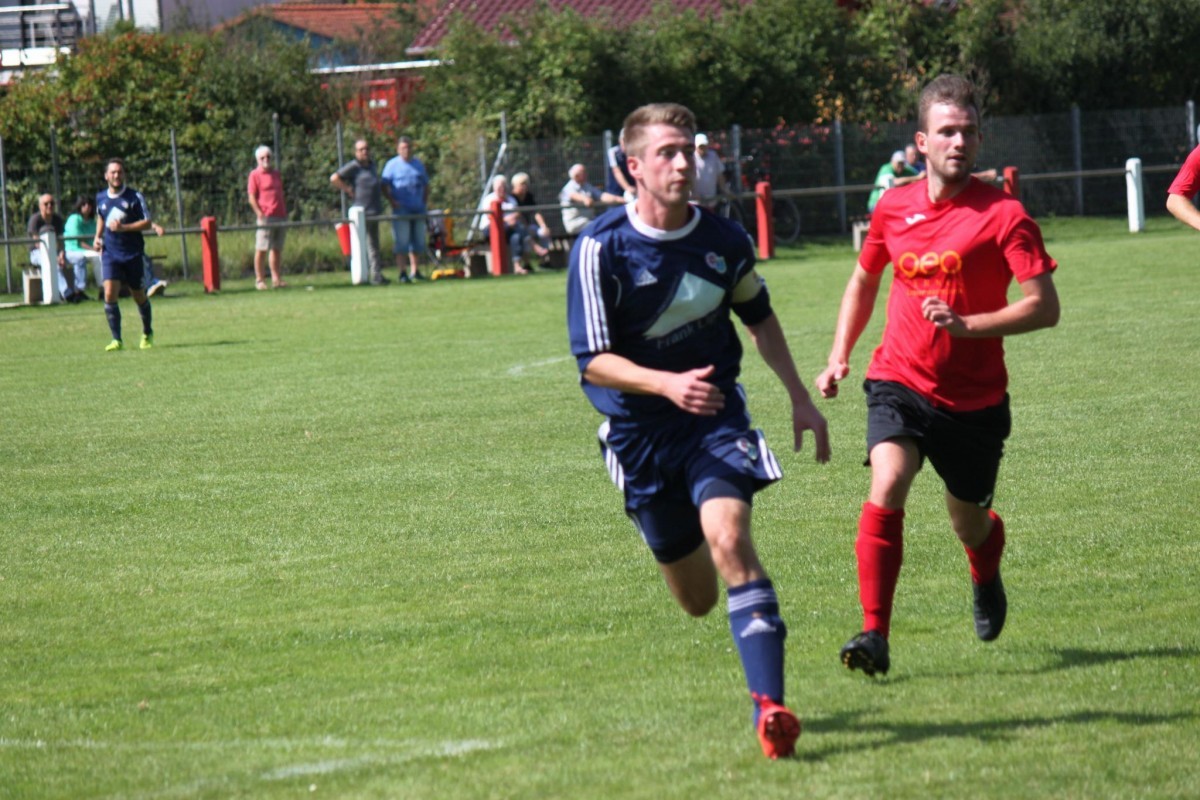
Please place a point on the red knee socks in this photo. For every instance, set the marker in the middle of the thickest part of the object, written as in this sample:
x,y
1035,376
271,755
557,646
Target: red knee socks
x,y
985,559
880,549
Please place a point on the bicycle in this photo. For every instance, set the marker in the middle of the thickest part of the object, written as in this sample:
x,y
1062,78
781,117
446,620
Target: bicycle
x,y
785,214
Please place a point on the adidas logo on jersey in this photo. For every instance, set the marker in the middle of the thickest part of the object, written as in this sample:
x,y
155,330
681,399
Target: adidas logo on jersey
x,y
645,278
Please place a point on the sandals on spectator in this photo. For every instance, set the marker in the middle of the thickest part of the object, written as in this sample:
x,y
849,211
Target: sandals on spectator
x,y
260,285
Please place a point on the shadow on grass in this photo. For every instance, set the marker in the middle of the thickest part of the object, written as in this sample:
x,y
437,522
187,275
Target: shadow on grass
x,y
900,733
1066,658
1069,657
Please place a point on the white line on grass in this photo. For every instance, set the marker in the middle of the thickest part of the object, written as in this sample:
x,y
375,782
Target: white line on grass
x,y
402,752
521,369
449,749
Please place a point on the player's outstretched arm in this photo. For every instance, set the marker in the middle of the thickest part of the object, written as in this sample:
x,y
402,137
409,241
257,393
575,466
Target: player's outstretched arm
x,y
1182,209
772,345
689,390
858,302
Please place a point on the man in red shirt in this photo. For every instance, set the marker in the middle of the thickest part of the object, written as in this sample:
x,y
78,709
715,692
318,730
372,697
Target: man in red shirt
x,y
937,386
1183,191
265,189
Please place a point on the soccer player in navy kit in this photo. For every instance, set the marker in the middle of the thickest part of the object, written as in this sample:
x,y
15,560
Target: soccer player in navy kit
x,y
650,289
123,215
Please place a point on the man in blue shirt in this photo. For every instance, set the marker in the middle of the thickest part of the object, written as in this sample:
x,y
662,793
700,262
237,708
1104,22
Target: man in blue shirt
x,y
650,289
123,215
405,185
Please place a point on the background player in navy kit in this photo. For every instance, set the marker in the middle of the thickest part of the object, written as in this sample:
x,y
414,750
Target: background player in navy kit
x,y
650,290
123,215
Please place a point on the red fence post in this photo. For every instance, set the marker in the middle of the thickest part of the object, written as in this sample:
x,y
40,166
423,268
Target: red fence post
x,y
208,254
1012,185
766,220
498,241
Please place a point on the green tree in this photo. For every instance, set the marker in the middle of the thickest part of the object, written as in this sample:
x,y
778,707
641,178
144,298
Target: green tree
x,y
122,95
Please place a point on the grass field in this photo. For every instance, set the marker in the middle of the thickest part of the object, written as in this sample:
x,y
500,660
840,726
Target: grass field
x,y
358,543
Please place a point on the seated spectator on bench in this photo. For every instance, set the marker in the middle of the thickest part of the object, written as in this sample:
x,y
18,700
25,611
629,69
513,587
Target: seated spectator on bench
x,y
537,232
514,228
577,198
79,252
43,220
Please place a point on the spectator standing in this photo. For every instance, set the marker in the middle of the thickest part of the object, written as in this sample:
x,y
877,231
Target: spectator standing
x,y
125,216
650,292
514,230
406,188
79,233
710,175
896,172
52,267
618,180
264,187
537,230
937,386
577,198
359,180
1181,196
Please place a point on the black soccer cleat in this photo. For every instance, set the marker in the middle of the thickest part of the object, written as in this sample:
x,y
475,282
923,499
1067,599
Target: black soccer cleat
x,y
868,651
991,608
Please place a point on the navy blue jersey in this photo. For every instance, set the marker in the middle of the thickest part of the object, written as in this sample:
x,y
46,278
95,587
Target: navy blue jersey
x,y
129,206
658,298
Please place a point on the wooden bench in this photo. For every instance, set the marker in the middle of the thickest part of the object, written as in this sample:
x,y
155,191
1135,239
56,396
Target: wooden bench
x,y
31,284
858,229
479,258
560,250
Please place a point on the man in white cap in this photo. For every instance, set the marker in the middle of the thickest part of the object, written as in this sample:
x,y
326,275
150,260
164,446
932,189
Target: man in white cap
x,y
710,175
896,172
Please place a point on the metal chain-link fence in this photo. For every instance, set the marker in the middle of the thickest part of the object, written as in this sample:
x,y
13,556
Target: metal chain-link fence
x,y
835,157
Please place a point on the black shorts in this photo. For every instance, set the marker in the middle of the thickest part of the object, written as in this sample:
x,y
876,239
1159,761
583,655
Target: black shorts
x,y
964,448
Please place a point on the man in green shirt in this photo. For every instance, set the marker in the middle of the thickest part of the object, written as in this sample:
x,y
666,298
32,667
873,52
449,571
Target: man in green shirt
x,y
896,172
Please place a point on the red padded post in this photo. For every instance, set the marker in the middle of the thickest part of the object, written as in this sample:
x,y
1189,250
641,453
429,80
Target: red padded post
x,y
209,257
498,241
766,220
1012,185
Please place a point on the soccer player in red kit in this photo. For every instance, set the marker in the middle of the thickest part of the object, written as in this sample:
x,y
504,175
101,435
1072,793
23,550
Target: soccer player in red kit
x,y
937,385
1182,193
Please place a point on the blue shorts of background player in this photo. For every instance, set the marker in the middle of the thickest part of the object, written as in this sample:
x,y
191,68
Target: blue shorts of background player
x,y
129,271
408,236
668,471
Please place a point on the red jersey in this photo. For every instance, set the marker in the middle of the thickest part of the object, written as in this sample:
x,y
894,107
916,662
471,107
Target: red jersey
x,y
266,187
1187,182
966,251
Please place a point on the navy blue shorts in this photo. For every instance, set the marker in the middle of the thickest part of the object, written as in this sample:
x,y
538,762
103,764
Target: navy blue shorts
x,y
964,448
668,471
128,271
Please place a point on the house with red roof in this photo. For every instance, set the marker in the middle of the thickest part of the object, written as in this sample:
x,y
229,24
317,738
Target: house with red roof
x,y
332,29
489,15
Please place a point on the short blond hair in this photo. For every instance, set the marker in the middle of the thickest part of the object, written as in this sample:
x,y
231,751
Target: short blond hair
x,y
673,114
